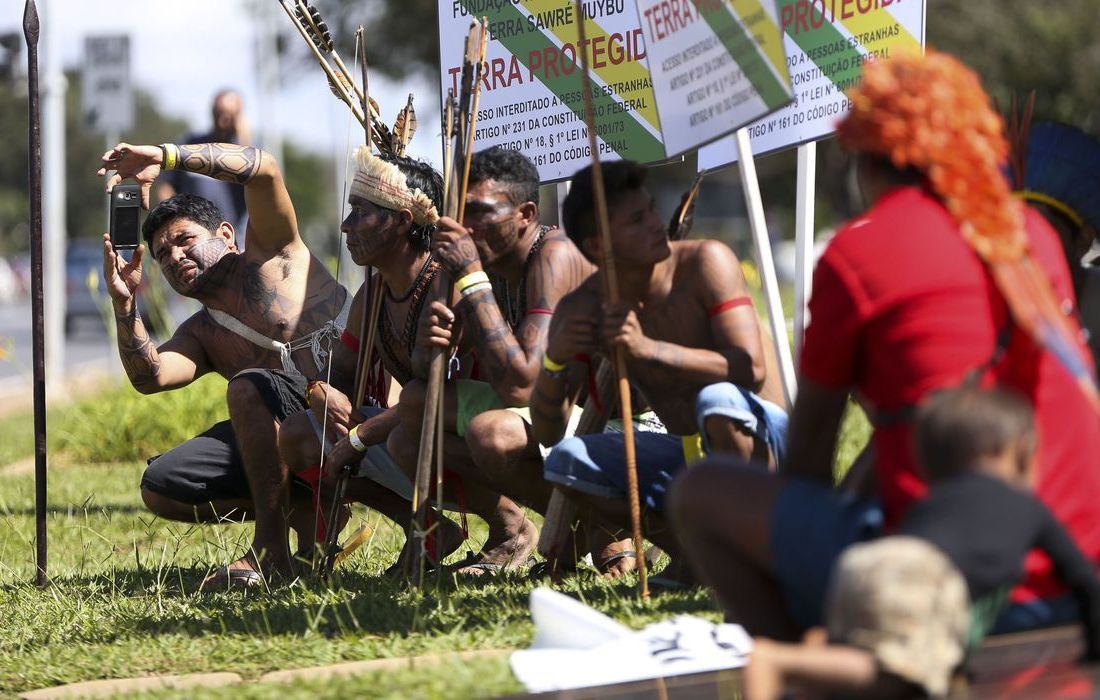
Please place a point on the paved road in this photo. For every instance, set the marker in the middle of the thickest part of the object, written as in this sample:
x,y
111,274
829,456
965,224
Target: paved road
x,y
88,348
88,343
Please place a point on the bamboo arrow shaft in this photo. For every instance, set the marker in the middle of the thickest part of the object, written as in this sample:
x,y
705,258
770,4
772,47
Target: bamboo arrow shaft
x,y
611,290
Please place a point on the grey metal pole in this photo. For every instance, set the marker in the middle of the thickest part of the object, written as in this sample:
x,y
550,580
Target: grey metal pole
x,y
54,231
30,31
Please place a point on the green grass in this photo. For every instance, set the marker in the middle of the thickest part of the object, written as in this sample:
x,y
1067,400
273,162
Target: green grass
x,y
122,601
117,424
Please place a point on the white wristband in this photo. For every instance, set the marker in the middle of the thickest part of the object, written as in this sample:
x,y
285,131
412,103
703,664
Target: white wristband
x,y
353,438
475,288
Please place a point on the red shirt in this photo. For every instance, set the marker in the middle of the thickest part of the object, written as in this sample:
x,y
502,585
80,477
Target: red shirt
x,y
902,306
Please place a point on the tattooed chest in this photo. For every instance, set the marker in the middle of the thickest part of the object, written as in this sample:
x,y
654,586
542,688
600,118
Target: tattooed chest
x,y
272,300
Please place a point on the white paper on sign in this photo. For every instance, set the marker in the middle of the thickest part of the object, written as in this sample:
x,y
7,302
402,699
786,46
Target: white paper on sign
x,y
591,649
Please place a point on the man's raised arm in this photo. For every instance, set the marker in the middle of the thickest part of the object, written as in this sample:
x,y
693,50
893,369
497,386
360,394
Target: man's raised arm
x,y
271,221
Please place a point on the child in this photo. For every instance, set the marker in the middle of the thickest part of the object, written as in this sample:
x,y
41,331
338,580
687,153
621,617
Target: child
x,y
903,611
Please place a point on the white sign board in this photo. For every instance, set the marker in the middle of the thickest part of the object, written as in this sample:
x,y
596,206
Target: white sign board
x,y
827,42
715,64
531,97
107,101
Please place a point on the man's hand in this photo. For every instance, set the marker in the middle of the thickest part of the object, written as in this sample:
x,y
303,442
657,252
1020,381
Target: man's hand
x,y
332,408
122,278
139,162
342,455
620,328
454,248
573,336
436,326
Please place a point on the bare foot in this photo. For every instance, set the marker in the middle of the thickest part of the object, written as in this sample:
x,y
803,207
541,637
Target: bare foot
x,y
507,551
615,559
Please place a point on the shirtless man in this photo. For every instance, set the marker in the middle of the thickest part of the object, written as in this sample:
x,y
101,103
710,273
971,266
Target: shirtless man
x,y
505,323
273,307
692,343
393,211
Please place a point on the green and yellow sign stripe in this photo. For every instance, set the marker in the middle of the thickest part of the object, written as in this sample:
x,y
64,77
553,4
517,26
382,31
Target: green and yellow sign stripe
x,y
851,58
642,140
762,64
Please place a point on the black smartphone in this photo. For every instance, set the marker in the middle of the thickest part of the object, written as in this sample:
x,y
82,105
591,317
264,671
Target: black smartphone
x,y
125,211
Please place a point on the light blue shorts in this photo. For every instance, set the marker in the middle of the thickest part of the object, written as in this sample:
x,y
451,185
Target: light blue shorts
x,y
596,464
760,417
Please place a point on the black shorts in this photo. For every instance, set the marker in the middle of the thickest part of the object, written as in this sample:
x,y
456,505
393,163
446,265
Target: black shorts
x,y
208,467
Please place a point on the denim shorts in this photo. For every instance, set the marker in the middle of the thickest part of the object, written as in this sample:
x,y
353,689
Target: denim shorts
x,y
811,524
596,464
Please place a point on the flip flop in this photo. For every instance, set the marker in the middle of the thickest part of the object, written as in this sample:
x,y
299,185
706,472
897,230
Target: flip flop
x,y
474,562
227,579
606,564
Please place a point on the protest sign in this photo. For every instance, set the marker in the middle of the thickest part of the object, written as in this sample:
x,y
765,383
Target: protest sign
x,y
827,42
531,96
716,65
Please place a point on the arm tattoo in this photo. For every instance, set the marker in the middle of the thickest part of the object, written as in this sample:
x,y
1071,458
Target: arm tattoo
x,y
497,348
224,161
136,350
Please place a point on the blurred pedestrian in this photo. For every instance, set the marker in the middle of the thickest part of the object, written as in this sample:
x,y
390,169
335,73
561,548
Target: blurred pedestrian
x,y
229,126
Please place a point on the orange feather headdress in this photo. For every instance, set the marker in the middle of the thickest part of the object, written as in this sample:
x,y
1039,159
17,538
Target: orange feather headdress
x,y
929,112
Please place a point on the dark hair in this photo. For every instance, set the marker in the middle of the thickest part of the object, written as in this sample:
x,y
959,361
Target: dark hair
x,y
186,206
419,176
578,211
957,427
513,170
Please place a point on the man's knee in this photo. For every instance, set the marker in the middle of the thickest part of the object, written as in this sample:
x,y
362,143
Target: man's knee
x,y
495,437
402,449
728,435
695,492
412,399
296,436
167,508
243,398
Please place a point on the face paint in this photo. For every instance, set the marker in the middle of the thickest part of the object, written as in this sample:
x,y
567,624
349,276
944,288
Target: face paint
x,y
197,260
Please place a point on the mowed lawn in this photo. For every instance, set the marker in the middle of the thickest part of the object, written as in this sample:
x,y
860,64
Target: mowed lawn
x,y
123,599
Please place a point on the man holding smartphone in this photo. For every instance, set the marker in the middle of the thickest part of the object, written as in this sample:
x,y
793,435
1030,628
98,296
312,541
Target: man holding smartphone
x,y
263,326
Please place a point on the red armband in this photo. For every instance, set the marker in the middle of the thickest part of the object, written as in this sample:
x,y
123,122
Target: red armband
x,y
545,312
350,341
724,306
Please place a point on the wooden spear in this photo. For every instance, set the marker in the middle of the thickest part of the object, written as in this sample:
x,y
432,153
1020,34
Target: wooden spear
x,y
611,290
31,31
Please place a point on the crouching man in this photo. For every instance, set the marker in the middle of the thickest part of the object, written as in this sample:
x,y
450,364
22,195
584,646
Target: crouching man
x,y
693,349
268,316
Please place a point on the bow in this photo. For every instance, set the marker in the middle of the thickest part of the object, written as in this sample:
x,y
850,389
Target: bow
x,y
456,180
